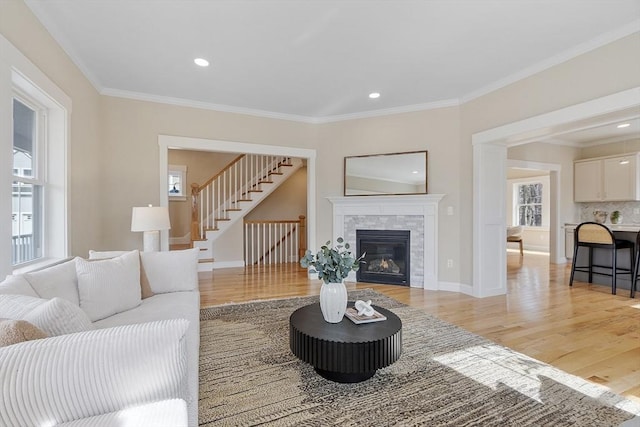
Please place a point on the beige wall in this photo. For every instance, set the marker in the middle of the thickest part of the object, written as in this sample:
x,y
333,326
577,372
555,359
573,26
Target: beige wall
x,y
19,26
613,149
609,69
288,201
114,141
131,130
201,166
558,155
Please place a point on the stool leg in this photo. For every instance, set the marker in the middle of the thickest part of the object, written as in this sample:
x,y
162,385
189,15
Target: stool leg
x,y
521,252
590,265
573,264
614,270
636,271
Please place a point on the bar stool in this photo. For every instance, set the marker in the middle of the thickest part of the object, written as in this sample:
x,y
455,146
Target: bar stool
x,y
636,270
595,235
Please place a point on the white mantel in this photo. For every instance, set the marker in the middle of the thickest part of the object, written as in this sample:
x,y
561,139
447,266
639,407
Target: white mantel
x,y
424,206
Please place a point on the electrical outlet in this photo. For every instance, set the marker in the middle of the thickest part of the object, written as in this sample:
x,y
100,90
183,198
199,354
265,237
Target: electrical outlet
x,y
449,263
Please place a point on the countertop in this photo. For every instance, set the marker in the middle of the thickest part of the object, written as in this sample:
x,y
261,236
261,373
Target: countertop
x,y
633,228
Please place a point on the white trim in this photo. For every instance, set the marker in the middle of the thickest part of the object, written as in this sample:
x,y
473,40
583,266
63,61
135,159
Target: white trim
x,y
227,264
182,102
485,227
445,103
165,142
455,287
16,70
565,56
425,205
537,126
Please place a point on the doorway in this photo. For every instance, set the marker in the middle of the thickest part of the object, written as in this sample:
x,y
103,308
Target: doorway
x,y
489,181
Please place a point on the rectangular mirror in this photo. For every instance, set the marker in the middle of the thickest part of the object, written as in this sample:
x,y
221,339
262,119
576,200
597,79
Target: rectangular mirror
x,y
383,174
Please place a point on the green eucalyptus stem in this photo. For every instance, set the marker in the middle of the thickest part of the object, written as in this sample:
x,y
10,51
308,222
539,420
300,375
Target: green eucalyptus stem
x,y
332,264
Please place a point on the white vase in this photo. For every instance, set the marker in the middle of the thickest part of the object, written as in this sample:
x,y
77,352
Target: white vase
x,y
333,301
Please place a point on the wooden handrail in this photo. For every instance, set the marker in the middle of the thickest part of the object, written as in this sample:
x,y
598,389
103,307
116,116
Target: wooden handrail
x,y
226,168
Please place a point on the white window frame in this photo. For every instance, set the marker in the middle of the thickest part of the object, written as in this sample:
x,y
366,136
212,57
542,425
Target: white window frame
x,y
19,75
180,171
38,166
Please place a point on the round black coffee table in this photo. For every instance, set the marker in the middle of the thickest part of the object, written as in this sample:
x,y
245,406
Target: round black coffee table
x,y
344,352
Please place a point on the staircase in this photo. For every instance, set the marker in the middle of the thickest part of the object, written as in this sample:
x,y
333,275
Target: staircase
x,y
230,195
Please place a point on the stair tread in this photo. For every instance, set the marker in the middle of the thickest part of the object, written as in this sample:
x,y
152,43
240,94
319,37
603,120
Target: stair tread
x,y
201,261
255,191
223,219
276,173
210,229
265,182
244,200
233,210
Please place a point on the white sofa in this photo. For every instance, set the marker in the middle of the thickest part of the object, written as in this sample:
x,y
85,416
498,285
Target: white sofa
x,y
122,347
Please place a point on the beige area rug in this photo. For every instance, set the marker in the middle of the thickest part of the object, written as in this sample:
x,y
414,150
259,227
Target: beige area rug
x,y
446,376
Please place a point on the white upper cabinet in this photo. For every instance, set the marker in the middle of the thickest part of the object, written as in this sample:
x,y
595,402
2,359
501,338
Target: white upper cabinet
x,y
607,179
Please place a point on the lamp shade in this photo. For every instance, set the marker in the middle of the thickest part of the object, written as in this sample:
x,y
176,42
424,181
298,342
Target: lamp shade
x,y
150,218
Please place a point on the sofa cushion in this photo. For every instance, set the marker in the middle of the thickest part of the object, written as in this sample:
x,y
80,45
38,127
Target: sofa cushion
x,y
182,276
17,306
145,288
16,331
17,285
171,412
56,281
75,376
56,316
109,286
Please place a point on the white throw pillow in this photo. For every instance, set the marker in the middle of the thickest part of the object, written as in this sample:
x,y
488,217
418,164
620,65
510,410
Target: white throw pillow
x,y
105,254
109,286
17,306
171,271
56,316
56,281
17,285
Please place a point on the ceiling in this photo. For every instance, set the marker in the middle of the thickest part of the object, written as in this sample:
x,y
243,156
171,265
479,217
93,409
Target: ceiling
x,y
317,60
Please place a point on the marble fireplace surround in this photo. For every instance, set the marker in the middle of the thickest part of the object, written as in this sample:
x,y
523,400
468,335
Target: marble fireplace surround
x,y
416,213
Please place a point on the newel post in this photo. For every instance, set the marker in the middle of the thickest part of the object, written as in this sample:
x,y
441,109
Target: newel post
x,y
195,223
302,242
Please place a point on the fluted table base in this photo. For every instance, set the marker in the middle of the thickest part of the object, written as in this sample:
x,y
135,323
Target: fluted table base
x,y
344,352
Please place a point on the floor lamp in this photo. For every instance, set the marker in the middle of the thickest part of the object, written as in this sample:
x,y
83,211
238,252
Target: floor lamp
x,y
150,220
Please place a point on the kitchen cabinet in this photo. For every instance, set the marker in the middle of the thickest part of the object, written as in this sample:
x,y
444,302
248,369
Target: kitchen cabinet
x,y
615,178
569,236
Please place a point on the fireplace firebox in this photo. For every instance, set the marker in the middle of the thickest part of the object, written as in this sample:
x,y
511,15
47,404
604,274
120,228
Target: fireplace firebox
x,y
387,256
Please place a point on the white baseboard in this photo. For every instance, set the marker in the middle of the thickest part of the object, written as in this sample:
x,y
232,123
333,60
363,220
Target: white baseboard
x,y
455,287
227,264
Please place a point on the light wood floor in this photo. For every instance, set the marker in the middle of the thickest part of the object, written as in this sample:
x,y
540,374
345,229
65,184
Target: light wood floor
x,y
582,330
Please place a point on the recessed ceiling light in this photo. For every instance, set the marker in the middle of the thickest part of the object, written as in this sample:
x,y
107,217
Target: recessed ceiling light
x,y
374,95
624,125
414,172
201,62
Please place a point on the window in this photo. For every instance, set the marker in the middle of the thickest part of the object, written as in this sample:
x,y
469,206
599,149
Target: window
x,y
33,165
177,180
28,183
528,204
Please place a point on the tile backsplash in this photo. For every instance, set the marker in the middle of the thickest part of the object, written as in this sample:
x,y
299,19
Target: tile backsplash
x,y
630,211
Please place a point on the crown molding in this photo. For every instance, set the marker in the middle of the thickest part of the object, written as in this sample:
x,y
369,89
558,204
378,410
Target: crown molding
x,y
205,105
389,111
565,56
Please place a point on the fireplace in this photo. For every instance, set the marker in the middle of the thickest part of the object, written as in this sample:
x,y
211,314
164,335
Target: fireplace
x,y
387,258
